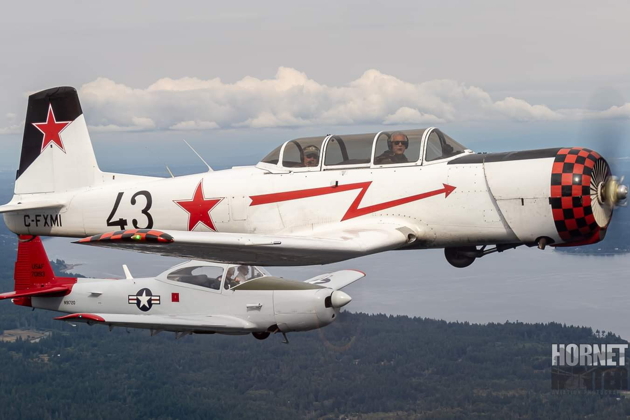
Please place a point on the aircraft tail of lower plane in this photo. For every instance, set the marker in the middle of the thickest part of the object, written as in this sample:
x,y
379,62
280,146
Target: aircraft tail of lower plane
x,y
34,275
32,268
57,153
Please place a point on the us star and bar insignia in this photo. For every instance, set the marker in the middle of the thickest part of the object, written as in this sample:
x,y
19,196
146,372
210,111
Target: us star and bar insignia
x,y
144,299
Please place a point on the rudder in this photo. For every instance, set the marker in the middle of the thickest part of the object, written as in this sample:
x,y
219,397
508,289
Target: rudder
x,y
32,268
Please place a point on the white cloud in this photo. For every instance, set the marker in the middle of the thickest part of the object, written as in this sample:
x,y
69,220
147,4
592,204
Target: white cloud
x,y
13,129
268,119
518,109
292,99
137,124
146,123
406,115
110,128
614,112
195,125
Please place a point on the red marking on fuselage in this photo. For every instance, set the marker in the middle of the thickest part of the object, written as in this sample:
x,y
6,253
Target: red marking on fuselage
x,y
597,236
199,209
354,210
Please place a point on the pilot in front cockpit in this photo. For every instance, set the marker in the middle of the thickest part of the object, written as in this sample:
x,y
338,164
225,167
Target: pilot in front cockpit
x,y
243,274
397,144
237,275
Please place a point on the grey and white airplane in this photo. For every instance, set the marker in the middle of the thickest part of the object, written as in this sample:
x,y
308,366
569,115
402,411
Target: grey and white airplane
x,y
195,297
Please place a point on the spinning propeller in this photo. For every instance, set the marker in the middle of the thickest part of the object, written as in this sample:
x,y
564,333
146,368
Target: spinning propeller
x,y
608,191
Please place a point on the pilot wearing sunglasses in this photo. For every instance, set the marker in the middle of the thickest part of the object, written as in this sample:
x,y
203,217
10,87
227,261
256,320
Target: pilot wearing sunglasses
x,y
397,145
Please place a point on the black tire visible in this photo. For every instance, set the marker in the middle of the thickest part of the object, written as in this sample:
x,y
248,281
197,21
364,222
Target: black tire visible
x,y
260,335
457,258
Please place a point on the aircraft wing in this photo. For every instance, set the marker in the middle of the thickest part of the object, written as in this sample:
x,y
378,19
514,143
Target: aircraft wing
x,y
257,249
338,279
219,323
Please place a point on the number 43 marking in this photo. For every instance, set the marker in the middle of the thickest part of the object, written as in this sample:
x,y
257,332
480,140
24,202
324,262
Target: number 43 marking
x,y
122,223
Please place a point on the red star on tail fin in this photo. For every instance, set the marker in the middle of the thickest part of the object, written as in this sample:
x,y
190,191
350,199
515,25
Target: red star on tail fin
x,y
52,130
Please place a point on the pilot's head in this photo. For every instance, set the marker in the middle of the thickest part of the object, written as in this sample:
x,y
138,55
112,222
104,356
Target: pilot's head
x,y
311,155
398,143
243,269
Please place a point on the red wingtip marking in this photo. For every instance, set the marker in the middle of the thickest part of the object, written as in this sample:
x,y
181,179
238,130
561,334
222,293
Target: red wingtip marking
x,y
90,317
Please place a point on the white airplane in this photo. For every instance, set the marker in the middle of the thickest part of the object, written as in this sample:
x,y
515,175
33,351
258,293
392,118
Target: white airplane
x,y
195,297
311,200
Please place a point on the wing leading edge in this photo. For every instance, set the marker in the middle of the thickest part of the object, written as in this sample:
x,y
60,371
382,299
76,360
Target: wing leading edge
x,y
220,323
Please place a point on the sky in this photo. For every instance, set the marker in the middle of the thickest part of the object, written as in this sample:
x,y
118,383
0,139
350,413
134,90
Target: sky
x,y
237,79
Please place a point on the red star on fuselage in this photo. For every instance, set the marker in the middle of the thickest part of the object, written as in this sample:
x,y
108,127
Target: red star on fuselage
x,y
51,129
199,208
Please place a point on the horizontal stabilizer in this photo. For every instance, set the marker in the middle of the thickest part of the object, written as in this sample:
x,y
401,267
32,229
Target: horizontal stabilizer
x,y
221,323
48,291
338,279
33,205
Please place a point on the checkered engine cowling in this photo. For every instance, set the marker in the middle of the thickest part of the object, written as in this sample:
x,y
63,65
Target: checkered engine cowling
x,y
574,194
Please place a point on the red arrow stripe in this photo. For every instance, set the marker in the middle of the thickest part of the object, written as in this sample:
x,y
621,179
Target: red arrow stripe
x,y
257,200
353,210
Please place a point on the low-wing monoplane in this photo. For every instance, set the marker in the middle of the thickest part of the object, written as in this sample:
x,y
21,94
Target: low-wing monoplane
x,y
312,200
195,297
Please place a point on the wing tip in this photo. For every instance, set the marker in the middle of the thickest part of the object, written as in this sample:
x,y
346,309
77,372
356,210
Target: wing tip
x,y
358,271
129,235
81,317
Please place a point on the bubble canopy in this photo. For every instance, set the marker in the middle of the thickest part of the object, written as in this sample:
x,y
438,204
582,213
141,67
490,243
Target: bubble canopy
x,y
212,276
370,150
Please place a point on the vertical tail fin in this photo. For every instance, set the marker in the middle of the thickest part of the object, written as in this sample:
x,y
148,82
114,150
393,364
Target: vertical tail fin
x,y
32,268
34,276
57,153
